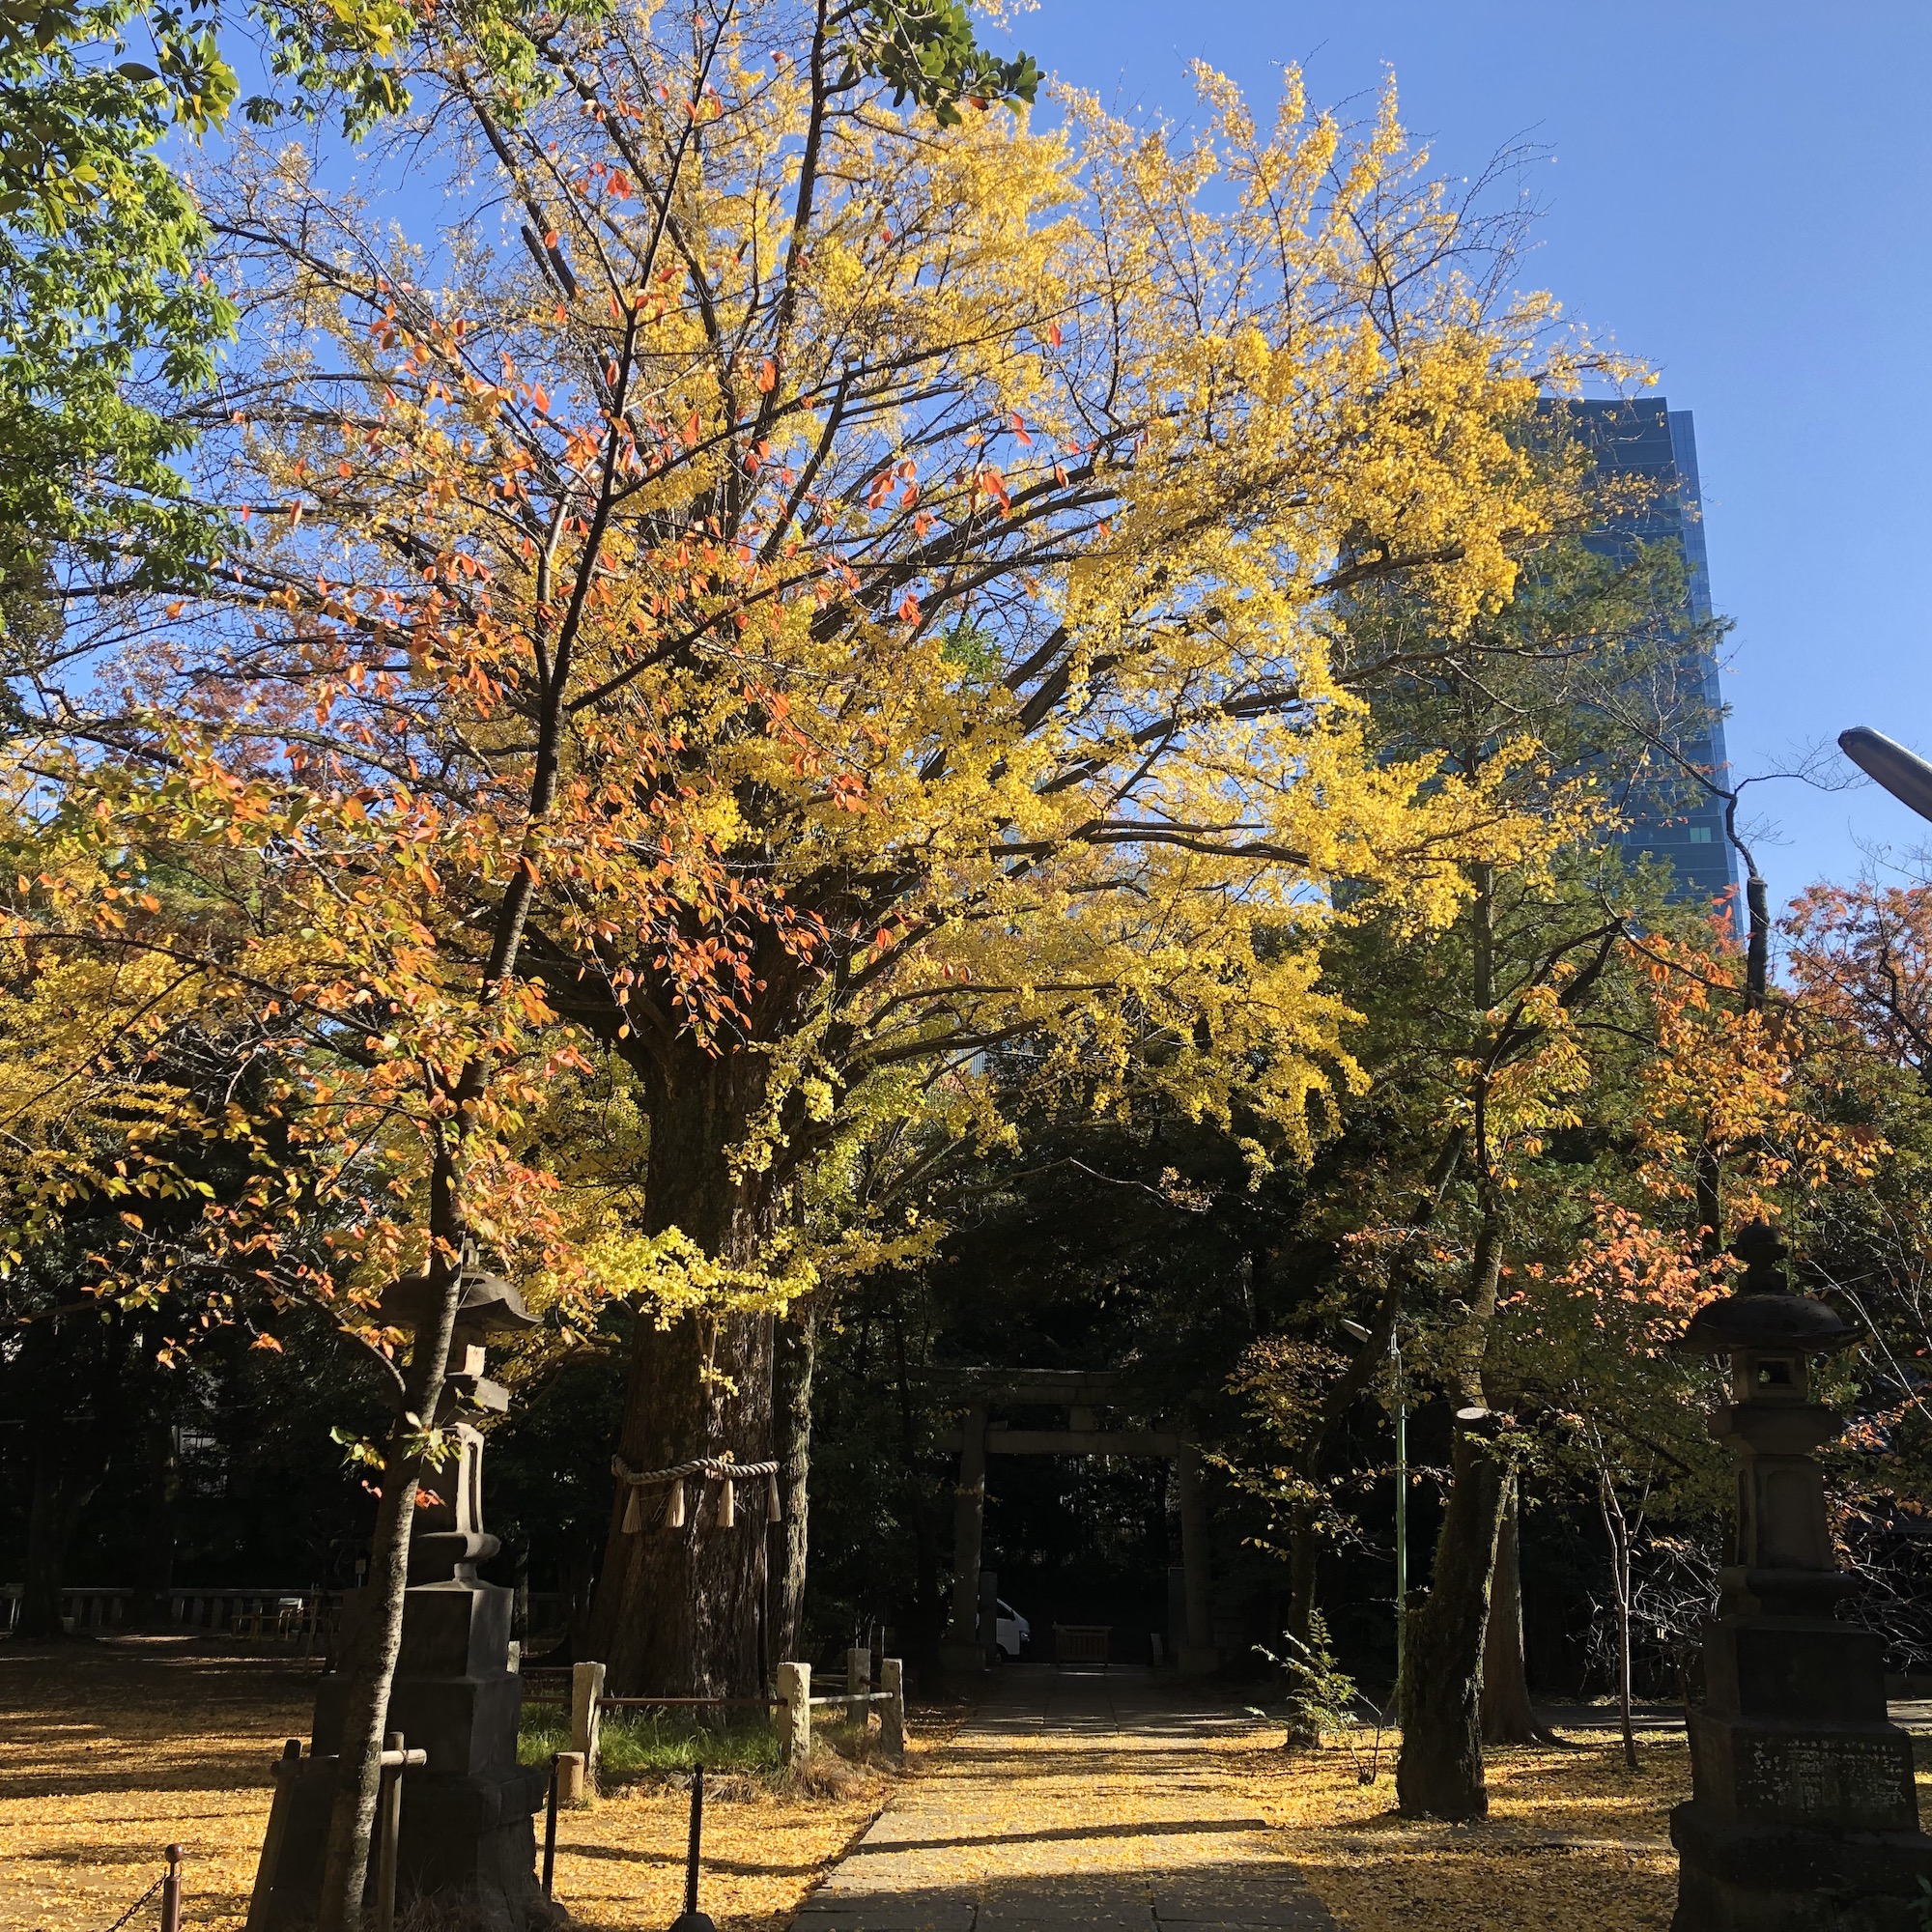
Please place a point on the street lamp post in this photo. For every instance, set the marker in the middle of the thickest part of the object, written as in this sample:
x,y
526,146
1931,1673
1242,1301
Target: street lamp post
x,y
1906,776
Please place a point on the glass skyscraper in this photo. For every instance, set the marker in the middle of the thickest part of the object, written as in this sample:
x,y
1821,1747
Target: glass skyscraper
x,y
1673,818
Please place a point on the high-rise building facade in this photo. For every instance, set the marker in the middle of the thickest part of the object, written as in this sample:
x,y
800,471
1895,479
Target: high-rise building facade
x,y
1672,818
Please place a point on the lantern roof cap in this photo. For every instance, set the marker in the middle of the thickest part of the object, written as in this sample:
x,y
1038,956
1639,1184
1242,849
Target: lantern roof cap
x,y
490,1304
1764,1313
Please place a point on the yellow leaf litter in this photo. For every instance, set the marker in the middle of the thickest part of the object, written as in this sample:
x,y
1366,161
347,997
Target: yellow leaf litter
x,y
109,1752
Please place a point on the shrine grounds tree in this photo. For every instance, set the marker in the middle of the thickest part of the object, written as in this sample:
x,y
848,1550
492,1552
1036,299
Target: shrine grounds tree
x,y
1490,1044
270,818
813,624
957,516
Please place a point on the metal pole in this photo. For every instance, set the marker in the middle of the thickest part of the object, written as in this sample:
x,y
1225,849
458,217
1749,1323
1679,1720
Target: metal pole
x,y
697,1833
550,1828
1401,1508
171,1892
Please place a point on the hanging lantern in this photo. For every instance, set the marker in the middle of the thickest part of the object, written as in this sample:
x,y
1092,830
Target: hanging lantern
x,y
634,1512
674,1507
774,1507
728,1505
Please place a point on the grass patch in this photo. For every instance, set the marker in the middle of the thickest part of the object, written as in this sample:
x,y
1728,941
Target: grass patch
x,y
641,1746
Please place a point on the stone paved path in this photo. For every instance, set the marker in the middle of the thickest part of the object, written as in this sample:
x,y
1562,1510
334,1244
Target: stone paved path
x,y
1090,1800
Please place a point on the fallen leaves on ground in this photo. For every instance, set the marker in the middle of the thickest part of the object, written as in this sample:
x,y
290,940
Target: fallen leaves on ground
x,y
621,1863
1572,1839
110,1751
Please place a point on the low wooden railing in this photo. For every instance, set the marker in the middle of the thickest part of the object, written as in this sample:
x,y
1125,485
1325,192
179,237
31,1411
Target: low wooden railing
x,y
792,1706
295,1615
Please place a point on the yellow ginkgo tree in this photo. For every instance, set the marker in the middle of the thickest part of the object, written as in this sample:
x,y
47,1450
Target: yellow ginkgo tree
x,y
958,516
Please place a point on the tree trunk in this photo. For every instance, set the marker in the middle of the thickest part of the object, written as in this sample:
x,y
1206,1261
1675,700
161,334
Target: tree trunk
x,y
1616,1526
1506,1718
65,1482
1304,1547
797,1350
157,1554
369,1658
1439,1774
678,1610
1304,1538
369,1662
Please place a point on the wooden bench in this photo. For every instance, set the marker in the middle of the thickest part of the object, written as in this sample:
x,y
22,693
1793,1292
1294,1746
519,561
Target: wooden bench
x,y
1081,1646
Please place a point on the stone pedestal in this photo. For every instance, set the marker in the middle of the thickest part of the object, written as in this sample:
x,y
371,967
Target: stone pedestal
x,y
466,1832
1803,1815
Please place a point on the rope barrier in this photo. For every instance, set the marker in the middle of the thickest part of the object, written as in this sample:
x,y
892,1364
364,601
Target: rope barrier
x,y
698,1466
711,1468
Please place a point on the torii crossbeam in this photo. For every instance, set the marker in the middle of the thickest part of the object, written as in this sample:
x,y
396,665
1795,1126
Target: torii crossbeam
x,y
1081,1392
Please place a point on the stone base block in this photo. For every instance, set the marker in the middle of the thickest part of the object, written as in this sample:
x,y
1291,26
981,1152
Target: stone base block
x,y
963,1660
1858,1777
1740,1877
1795,1670
451,1629
1199,1660
471,1838
467,1725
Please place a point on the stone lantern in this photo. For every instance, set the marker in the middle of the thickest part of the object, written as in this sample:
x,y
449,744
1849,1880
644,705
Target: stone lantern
x,y
466,1832
1803,1815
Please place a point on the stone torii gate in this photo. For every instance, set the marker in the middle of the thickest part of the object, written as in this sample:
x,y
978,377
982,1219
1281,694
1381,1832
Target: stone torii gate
x,y
1080,1392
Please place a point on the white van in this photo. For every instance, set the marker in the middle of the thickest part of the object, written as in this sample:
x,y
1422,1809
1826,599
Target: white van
x,y
1011,1633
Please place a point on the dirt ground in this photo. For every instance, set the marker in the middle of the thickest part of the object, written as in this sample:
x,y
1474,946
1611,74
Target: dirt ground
x,y
1572,1839
110,1751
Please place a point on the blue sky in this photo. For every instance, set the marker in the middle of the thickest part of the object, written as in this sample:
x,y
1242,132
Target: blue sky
x,y
1742,195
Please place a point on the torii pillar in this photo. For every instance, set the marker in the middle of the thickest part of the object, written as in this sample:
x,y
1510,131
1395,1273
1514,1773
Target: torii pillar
x,y
962,1649
1198,1656
969,1639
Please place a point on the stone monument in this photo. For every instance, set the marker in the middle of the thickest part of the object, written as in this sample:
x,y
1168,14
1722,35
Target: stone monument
x,y
1803,1816
466,1832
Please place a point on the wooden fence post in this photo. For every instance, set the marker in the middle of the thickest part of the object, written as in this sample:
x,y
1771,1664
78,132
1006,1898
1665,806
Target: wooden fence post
x,y
550,1823
587,1720
261,1903
858,1681
892,1712
794,1689
390,1831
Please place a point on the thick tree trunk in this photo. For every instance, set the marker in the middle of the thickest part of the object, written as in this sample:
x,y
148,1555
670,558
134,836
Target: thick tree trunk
x,y
677,1609
797,1349
1439,1774
1506,1718
66,1478
677,1612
